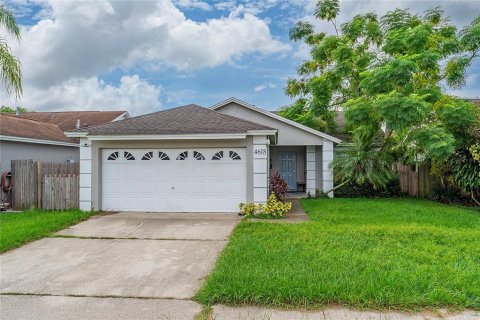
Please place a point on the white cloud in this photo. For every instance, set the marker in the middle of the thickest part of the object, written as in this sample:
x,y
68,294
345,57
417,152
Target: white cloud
x,y
132,94
74,42
264,86
83,39
193,4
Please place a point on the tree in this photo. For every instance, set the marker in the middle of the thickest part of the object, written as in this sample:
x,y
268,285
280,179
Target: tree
x,y
10,109
10,72
389,75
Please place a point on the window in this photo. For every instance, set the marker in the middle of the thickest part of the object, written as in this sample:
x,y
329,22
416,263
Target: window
x,y
197,155
163,156
113,156
218,155
148,156
128,155
183,155
234,156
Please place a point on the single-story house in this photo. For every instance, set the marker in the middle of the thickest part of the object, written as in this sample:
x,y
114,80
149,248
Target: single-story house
x,y
194,159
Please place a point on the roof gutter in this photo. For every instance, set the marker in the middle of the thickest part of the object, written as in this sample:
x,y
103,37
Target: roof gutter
x,y
76,134
232,136
39,141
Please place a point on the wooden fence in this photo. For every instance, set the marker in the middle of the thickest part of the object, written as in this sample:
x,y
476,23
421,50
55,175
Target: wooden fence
x,y
60,191
44,185
415,181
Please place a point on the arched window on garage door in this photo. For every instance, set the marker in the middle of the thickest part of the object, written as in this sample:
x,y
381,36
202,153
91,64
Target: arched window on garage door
x,y
128,155
183,155
113,156
148,156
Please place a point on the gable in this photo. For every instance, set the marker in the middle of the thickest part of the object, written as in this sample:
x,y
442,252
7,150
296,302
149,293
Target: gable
x,y
288,135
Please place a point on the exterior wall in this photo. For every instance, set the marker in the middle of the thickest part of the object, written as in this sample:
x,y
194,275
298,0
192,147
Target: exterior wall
x,y
85,175
311,170
327,173
260,169
288,135
300,152
12,150
318,167
96,159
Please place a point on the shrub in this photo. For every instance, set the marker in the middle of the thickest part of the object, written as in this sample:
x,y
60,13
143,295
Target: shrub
x,y
276,208
466,170
249,209
448,193
272,209
278,186
354,190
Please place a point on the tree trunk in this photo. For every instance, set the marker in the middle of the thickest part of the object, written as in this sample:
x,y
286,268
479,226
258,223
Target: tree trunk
x,y
338,186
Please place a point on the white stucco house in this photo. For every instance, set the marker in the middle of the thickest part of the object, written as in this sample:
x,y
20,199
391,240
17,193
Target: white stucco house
x,y
194,159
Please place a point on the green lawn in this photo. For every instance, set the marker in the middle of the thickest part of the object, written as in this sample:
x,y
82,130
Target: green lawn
x,y
373,253
21,227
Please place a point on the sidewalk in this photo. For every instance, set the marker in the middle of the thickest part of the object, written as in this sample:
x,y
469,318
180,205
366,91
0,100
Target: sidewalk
x,y
221,312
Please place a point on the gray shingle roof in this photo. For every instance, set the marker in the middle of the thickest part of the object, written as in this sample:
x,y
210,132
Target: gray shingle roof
x,y
189,119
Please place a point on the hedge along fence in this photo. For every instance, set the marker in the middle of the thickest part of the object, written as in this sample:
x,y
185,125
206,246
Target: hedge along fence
x,y
46,185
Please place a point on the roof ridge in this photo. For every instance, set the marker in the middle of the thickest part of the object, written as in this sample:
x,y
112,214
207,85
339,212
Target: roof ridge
x,y
131,118
35,121
72,111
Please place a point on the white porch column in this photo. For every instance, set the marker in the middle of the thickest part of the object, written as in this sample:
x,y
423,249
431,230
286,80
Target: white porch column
x,y
85,175
311,172
260,169
327,173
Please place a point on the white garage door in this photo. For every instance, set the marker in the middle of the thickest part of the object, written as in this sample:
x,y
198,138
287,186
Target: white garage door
x,y
173,180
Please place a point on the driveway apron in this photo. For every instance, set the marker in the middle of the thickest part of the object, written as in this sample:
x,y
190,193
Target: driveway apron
x,y
146,260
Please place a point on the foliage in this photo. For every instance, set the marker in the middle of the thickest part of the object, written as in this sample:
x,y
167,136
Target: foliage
x,y
389,74
278,186
274,208
10,72
18,228
251,208
364,253
367,190
465,168
10,109
362,163
447,193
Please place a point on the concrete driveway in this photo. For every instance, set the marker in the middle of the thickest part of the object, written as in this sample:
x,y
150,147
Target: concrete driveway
x,y
148,265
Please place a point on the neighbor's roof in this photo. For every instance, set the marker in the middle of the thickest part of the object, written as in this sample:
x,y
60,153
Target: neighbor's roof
x,y
189,119
67,120
13,126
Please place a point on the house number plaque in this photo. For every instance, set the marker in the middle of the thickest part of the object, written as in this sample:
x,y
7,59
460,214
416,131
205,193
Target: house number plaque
x,y
259,151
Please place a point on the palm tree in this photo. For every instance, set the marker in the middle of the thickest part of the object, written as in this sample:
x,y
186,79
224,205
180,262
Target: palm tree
x,y
10,73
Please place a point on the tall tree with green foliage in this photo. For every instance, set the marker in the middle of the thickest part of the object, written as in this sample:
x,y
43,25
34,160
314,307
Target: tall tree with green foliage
x,y
10,72
389,75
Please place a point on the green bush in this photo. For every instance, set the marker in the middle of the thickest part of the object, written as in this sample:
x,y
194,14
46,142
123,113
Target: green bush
x,y
354,190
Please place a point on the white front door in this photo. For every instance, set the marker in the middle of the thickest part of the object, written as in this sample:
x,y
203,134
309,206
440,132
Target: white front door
x,y
173,180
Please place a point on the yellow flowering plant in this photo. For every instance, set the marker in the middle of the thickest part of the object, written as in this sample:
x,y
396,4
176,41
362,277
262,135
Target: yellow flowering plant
x,y
272,209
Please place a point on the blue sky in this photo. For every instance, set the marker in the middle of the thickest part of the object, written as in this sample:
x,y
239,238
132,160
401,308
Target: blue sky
x,y
146,56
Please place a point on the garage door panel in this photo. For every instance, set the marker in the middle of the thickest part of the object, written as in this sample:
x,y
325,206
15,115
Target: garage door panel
x,y
189,185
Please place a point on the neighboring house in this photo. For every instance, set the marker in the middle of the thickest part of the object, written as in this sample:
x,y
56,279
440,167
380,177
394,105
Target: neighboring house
x,y
28,139
193,159
40,135
67,120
